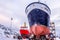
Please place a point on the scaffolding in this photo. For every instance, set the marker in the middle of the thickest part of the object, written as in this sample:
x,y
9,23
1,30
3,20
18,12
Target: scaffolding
x,y
52,30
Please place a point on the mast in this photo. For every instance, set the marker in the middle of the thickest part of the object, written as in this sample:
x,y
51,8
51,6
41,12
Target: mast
x,y
44,1
38,0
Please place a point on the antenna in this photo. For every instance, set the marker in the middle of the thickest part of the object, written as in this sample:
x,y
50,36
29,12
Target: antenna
x,y
38,0
43,1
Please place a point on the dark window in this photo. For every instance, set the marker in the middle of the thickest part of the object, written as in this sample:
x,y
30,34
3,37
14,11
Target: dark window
x,y
38,16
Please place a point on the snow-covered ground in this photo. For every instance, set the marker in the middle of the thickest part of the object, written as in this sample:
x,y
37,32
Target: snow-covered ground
x,y
3,36
57,39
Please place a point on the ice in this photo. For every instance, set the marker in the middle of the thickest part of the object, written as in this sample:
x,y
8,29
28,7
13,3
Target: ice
x,y
57,39
10,37
3,36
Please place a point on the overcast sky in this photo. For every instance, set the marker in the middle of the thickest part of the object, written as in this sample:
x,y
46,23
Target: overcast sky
x,y
16,10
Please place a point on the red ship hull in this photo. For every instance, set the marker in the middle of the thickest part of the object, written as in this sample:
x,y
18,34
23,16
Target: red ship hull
x,y
39,30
